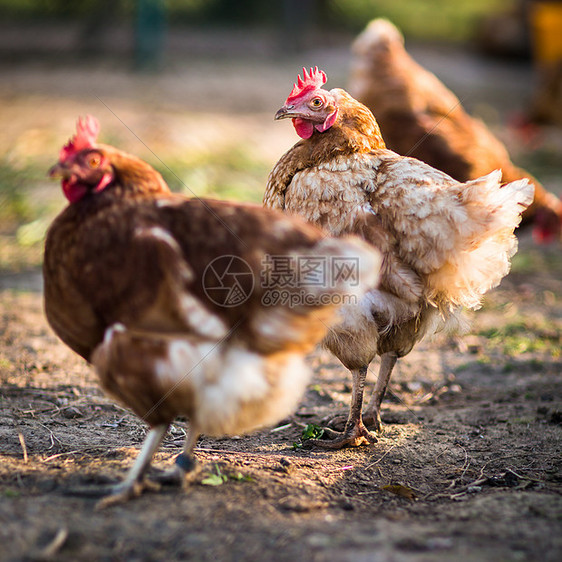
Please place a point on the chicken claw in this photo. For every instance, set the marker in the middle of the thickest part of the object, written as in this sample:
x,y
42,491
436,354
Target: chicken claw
x,y
354,435
125,491
136,483
374,421
175,476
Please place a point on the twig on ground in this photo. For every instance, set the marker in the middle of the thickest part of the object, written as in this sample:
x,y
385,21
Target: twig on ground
x,y
281,427
55,545
23,447
52,436
63,455
380,459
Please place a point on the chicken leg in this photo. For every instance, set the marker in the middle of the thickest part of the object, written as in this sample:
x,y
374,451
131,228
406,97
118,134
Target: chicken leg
x,y
372,415
184,463
136,480
354,433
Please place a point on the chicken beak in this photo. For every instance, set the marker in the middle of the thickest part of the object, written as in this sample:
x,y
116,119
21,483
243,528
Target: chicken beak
x,y
59,171
285,112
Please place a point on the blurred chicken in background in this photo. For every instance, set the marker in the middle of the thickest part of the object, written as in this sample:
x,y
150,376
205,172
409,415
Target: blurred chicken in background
x,y
420,117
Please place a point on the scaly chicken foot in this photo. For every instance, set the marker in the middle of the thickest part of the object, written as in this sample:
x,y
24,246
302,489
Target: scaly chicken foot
x,y
355,432
184,464
354,435
135,482
125,491
372,415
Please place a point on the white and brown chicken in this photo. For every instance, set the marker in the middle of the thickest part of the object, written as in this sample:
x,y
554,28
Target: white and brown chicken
x,y
444,243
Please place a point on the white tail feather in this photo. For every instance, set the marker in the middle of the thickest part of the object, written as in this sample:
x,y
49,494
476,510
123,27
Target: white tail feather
x,y
490,238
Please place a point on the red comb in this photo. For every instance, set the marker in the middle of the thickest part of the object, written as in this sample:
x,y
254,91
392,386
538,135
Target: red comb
x,y
310,81
87,130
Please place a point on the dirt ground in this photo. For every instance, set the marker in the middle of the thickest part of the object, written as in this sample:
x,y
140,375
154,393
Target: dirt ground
x,y
468,467
472,446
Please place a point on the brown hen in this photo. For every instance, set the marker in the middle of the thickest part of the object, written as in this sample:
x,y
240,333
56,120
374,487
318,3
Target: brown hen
x,y
420,117
171,300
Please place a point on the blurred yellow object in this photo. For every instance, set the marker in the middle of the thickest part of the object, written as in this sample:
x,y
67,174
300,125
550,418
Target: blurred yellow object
x,y
546,29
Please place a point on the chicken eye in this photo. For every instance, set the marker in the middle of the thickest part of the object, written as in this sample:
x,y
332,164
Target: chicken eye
x,y
94,161
317,103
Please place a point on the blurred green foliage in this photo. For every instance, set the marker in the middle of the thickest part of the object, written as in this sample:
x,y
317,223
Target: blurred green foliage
x,y
440,19
234,173
24,216
537,258
14,204
525,335
63,8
